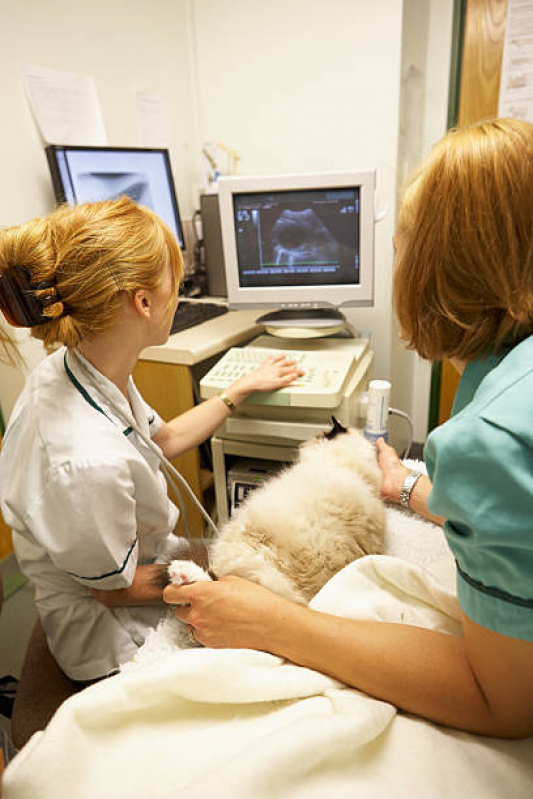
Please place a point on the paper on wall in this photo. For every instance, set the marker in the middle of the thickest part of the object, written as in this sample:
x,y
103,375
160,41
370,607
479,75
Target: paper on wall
x,y
153,120
516,83
65,106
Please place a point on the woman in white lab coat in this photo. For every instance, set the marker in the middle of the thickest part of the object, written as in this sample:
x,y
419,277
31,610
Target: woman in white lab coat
x,y
84,496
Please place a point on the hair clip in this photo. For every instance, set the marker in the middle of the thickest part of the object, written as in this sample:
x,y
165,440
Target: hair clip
x,y
52,294
45,284
18,301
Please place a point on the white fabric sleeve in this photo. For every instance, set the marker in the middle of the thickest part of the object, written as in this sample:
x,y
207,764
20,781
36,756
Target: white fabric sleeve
x,y
86,521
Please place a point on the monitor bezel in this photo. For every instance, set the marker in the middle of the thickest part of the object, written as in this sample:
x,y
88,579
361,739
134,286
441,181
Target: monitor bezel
x,y
343,295
52,151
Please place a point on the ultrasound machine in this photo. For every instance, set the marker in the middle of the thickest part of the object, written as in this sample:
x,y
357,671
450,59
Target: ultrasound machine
x,y
303,247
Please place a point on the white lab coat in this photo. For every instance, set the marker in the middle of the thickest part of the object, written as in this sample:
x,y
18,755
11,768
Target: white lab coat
x,y
87,503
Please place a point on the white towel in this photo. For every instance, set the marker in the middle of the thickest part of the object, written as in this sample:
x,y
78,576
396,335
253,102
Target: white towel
x,y
239,723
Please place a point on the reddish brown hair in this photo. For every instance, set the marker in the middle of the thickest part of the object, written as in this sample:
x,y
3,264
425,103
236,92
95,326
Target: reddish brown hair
x,y
463,280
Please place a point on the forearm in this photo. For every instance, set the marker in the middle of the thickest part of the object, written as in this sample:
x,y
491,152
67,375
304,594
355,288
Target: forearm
x,y
197,424
192,427
418,501
460,682
394,473
200,422
420,671
145,590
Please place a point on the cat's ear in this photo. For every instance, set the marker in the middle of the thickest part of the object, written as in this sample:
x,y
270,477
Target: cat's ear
x,y
336,430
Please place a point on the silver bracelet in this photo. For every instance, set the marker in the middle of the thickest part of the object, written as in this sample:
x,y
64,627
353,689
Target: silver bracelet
x,y
408,485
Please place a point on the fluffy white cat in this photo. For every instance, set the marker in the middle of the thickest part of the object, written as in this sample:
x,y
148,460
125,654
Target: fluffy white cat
x,y
309,521
296,531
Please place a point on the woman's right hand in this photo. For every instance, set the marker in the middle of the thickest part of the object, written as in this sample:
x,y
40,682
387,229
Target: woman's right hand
x,y
275,372
393,471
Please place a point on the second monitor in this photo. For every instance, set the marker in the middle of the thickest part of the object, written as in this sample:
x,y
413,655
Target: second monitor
x,y
89,174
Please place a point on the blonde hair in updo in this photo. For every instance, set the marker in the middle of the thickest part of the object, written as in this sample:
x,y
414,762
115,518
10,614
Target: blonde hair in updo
x,y
463,278
92,252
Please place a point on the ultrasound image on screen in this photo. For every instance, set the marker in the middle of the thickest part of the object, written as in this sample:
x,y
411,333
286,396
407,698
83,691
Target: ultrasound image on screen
x,y
298,238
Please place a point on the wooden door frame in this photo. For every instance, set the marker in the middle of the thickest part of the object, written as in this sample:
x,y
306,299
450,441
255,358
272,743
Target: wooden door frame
x,y
454,94
476,61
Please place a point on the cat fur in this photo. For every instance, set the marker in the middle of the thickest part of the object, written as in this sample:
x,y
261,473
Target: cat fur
x,y
307,522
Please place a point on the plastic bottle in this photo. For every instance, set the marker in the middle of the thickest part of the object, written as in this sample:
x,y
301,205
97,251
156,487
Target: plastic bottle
x,y
377,410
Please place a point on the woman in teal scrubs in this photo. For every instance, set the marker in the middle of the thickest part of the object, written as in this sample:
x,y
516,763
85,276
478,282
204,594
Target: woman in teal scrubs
x,y
463,291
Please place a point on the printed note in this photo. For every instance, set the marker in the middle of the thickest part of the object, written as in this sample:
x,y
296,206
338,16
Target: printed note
x,y
516,84
65,106
153,120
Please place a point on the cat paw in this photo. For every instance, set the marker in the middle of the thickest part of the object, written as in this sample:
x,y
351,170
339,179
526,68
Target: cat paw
x,y
186,571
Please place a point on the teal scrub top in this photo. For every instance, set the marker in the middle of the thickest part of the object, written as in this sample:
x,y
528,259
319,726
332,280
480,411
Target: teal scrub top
x,y
480,463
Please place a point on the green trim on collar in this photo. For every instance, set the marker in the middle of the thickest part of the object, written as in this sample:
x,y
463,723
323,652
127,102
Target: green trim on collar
x,y
87,397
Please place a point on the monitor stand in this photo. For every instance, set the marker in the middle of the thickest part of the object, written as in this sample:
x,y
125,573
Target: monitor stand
x,y
303,322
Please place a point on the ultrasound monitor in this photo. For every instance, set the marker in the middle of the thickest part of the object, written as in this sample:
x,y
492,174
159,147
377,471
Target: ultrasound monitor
x,y
300,243
90,174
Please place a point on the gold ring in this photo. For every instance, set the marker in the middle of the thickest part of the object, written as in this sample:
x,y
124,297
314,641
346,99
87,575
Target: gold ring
x,y
190,634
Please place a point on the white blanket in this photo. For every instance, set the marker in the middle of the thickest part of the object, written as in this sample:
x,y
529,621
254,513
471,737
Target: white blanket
x,y
238,723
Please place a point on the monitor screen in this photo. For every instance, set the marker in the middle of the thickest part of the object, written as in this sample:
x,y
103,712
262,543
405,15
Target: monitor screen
x,y
298,240
90,174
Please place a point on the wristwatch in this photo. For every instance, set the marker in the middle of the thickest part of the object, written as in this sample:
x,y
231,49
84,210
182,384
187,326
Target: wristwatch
x,y
228,402
408,485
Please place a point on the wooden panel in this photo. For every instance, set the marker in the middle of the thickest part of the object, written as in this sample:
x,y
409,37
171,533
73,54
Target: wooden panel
x,y
6,543
449,382
168,389
482,59
484,37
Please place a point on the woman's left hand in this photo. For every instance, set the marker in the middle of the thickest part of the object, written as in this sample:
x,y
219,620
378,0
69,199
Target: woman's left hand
x,y
274,372
231,612
393,471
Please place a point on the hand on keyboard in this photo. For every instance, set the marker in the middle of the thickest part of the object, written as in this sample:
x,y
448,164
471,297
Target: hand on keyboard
x,y
313,379
276,371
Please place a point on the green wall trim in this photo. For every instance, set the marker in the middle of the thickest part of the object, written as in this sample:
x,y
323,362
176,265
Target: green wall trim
x,y
434,396
458,34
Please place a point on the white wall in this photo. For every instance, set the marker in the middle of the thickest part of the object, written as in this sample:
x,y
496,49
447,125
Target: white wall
x,y
125,46
425,70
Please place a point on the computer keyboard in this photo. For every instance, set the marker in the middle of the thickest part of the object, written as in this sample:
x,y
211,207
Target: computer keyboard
x,y
325,374
189,314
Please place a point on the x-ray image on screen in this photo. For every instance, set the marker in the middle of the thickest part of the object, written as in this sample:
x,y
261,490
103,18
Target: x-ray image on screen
x,y
96,186
91,174
294,238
